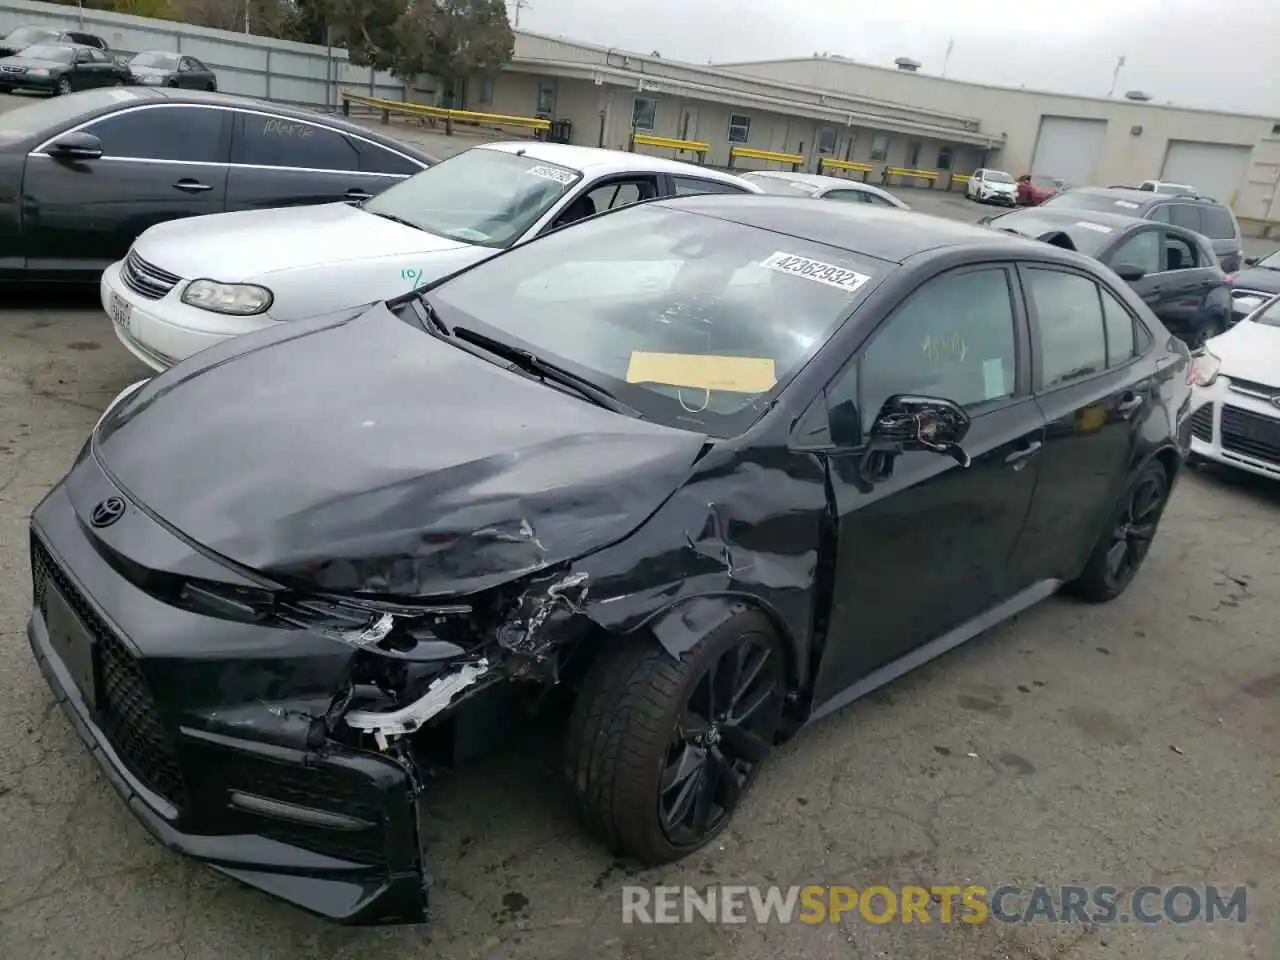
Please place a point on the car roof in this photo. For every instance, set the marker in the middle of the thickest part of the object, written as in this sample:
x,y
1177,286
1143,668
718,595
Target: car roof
x,y
596,161
885,233
1144,197
1119,221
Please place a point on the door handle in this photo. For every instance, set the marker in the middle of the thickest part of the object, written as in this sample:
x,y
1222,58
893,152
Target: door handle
x,y
1129,403
1023,453
356,194
192,186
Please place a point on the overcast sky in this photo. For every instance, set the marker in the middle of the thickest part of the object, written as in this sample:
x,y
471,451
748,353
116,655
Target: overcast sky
x,y
1222,54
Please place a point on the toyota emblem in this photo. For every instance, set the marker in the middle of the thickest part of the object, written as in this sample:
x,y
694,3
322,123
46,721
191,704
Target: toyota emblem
x,y
107,512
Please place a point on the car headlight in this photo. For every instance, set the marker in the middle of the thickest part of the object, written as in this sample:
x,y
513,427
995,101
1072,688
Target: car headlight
x,y
37,72
238,299
1204,368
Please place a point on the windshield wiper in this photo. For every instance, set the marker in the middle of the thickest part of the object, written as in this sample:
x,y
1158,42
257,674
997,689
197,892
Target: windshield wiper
x,y
430,316
388,216
532,363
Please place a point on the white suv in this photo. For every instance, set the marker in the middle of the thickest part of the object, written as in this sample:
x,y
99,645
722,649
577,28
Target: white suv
x,y
992,186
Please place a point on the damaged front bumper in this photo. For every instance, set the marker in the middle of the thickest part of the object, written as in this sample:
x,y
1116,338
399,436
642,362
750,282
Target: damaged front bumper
x,y
245,789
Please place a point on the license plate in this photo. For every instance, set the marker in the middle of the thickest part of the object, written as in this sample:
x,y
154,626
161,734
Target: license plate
x,y
120,311
72,641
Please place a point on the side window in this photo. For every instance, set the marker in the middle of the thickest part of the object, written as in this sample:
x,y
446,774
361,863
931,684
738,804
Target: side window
x,y
375,159
191,134
1140,250
845,196
197,65
96,55
1119,326
1161,214
1218,224
685,186
280,142
620,193
952,338
1185,215
1068,313
739,128
1179,254
879,147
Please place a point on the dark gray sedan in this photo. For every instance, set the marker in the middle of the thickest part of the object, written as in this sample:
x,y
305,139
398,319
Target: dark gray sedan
x,y
160,68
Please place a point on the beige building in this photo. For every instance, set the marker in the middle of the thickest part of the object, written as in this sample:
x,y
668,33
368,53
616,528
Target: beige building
x,y
829,106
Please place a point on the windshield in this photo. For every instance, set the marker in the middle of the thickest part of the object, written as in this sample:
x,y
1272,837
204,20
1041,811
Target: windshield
x,y
1086,236
481,196
692,320
49,51
1269,315
780,187
25,36
1270,262
997,176
44,117
167,61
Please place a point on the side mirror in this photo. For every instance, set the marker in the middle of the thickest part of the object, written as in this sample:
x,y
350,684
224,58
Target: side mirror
x,y
1251,261
1129,272
77,146
921,423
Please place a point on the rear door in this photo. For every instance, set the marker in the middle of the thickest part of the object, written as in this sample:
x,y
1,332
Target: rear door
x,y
160,162
1085,342
279,161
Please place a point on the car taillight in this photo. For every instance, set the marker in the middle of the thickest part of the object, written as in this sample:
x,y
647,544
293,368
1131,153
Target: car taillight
x,y
1203,369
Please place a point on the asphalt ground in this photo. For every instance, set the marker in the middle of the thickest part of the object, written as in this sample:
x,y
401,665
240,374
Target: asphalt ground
x,y
1127,744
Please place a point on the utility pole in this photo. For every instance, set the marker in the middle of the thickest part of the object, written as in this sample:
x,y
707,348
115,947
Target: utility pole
x,y
947,56
80,13
518,5
247,4
1115,77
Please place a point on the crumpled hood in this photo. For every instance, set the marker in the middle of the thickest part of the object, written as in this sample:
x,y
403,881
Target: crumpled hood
x,y
251,244
369,456
1249,351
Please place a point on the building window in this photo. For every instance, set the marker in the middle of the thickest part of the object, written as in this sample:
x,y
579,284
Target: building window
x,y
944,158
879,147
644,111
546,99
485,93
827,140
913,156
739,128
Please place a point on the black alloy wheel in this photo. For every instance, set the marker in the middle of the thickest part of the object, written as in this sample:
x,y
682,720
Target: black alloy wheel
x,y
730,717
1119,553
64,86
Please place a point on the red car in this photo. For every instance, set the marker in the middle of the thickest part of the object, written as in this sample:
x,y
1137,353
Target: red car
x,y
1034,189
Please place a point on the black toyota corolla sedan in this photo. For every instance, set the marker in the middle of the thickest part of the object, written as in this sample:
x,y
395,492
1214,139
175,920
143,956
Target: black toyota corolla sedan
x,y
88,172
1174,271
718,466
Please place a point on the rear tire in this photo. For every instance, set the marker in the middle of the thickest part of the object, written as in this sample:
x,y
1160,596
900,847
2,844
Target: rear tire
x,y
1130,531
653,778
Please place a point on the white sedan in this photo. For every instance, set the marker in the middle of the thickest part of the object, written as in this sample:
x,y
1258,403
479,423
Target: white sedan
x,y
188,284
1235,418
822,187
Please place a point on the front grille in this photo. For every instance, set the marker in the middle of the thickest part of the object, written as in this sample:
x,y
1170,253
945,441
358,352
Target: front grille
x,y
1202,423
126,712
14,69
1251,434
146,279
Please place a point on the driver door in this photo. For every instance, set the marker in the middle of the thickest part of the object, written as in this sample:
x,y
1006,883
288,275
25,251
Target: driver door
x,y
927,548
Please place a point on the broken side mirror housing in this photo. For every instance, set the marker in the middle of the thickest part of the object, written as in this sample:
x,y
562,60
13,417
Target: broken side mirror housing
x,y
933,424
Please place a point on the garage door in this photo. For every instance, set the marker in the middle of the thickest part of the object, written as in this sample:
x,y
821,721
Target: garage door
x,y
1069,148
1216,169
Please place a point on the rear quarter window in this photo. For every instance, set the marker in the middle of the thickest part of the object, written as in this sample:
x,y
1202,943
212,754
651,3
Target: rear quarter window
x,y
1218,224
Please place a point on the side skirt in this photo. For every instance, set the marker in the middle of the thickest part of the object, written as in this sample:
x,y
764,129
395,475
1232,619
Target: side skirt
x,y
1020,601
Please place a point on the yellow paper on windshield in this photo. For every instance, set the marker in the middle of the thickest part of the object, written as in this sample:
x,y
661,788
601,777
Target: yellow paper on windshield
x,y
702,371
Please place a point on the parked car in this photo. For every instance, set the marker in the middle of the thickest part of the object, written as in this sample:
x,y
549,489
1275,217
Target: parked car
x,y
1034,189
187,285
1236,412
60,68
1164,186
822,187
1252,286
1173,270
992,186
93,170
698,462
15,41
1189,211
161,68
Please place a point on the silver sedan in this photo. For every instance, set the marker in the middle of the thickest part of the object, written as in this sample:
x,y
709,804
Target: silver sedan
x,y
822,187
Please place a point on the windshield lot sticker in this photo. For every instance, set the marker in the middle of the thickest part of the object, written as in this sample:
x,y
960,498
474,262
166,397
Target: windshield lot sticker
x,y
551,173
1127,204
816,270
1095,227
703,371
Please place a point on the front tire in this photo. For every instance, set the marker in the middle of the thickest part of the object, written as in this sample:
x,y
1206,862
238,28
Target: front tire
x,y
661,751
64,86
1132,527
